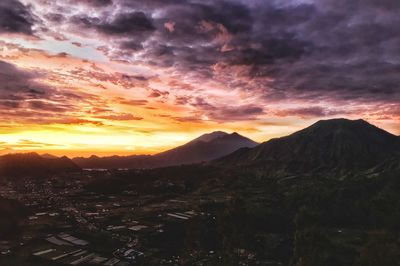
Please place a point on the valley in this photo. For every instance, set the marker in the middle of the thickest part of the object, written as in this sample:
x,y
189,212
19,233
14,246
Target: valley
x,y
271,209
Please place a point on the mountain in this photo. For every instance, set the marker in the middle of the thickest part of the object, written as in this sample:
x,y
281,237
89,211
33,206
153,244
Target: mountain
x,y
32,164
48,156
210,136
207,147
6,151
336,144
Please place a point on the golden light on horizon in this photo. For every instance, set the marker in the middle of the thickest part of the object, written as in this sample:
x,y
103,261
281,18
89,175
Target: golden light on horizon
x,y
77,90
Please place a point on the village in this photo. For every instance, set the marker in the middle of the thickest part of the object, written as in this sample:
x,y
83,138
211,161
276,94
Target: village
x,y
69,225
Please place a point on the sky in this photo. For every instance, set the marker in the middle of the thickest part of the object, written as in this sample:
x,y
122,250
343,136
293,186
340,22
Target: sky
x,y
82,77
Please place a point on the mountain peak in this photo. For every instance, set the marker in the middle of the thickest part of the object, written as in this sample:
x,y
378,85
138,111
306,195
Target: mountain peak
x,y
205,148
341,122
48,156
339,144
345,128
210,136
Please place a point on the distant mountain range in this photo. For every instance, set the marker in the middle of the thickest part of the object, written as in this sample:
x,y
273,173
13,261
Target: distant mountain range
x,y
32,164
337,145
202,149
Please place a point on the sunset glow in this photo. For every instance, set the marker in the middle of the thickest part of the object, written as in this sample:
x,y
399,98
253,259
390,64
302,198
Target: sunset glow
x,y
139,77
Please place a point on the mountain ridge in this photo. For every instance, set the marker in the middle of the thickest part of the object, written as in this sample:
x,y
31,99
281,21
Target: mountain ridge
x,y
207,137
204,148
33,164
339,144
327,145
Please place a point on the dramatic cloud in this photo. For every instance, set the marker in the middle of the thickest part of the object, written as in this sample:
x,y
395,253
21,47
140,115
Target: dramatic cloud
x,y
349,50
130,66
15,18
346,50
120,24
307,112
18,85
132,102
94,3
24,99
120,117
236,113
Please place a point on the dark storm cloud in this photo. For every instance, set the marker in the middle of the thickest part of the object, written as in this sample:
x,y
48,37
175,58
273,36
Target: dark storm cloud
x,y
234,112
328,49
199,32
126,23
55,17
306,50
127,30
351,54
15,18
19,89
121,24
14,81
23,97
313,111
94,3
